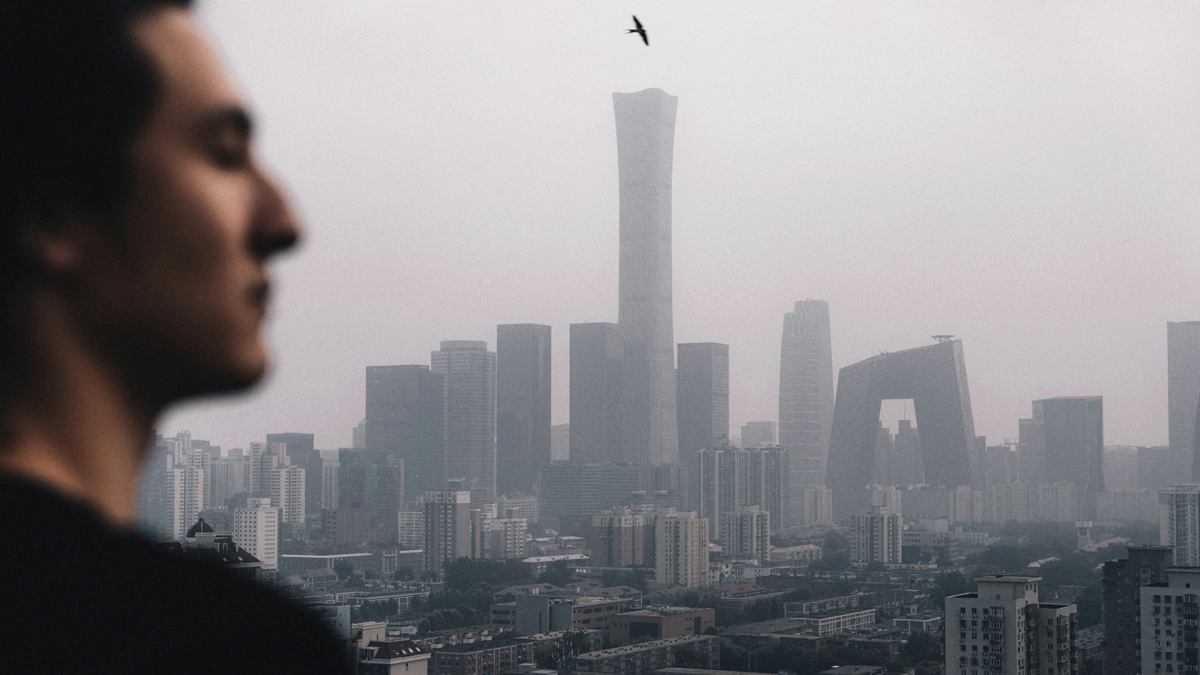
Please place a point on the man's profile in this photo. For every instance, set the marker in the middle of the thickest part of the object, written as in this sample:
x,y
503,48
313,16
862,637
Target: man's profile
x,y
136,225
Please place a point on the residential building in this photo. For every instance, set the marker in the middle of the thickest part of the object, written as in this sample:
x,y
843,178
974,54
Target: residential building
x,y
795,610
927,622
256,529
330,470
1127,506
404,419
498,538
1059,502
1168,623
621,537
552,612
966,505
818,506
887,496
302,454
286,487
797,556
1017,501
447,528
661,623
646,657
702,399
527,506
1121,582
522,405
1074,430
806,393
731,478
1179,522
681,549
597,427
645,149
758,433
489,657
469,417
1004,628
746,532
834,621
410,528
1183,393
393,657
875,536
571,492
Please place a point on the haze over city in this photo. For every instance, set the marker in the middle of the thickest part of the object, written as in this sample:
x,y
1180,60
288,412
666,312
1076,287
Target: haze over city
x,y
1019,177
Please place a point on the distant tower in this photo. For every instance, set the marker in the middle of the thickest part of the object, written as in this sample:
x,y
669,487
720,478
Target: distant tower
x,y
522,405
806,392
1183,392
404,419
703,399
645,149
469,435
597,428
1074,428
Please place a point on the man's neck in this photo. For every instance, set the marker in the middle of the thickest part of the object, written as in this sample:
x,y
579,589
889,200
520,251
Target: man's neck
x,y
73,426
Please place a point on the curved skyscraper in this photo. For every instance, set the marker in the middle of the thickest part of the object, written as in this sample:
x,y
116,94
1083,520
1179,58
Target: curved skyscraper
x,y
645,148
806,394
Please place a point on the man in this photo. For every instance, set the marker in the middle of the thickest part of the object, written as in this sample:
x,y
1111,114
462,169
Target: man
x,y
135,224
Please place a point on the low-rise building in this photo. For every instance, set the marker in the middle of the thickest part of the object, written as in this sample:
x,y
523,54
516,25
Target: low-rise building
x,y
793,610
836,621
645,657
929,622
482,658
802,555
659,623
393,657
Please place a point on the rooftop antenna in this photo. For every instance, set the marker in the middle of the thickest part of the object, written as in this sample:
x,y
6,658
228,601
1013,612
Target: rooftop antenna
x,y
940,339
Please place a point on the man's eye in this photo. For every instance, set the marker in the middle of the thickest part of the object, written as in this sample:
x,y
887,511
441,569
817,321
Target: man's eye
x,y
230,158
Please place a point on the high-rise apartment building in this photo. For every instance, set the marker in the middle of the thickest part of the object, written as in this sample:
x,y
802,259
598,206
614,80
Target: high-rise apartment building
x,y
887,496
303,454
597,431
405,419
1127,506
469,423
1003,628
522,405
1074,428
966,505
447,528
410,528
681,549
1016,500
621,537
758,433
875,536
746,532
1122,581
702,402
1058,502
645,153
1031,447
1179,522
256,529
285,486
806,392
1168,628
818,506
502,538
1183,392
330,483
731,478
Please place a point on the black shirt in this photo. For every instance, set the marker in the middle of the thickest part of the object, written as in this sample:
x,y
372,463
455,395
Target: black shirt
x,y
79,596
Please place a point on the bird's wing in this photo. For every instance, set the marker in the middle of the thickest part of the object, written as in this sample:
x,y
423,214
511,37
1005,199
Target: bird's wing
x,y
644,38
637,23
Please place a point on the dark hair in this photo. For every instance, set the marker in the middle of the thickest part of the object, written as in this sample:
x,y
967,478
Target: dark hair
x,y
74,92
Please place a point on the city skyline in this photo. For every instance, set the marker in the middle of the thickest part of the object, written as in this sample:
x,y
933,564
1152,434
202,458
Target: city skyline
x,y
868,174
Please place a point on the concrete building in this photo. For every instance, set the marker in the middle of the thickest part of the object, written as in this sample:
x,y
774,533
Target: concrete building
x,y
702,399
647,657
1179,522
1031,447
410,528
1074,428
303,454
499,538
1127,506
560,442
934,377
374,479
572,492
887,496
447,528
404,419
818,506
806,393
758,433
681,549
1183,394
392,657
730,478
527,506
1168,623
746,532
1017,501
1122,581
621,537
489,657
661,623
551,612
1004,628
330,470
286,486
834,621
469,422
597,429
1058,502
256,529
875,536
966,505
522,405
645,151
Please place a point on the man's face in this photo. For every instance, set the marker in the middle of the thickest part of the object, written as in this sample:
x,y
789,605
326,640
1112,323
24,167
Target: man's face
x,y
181,291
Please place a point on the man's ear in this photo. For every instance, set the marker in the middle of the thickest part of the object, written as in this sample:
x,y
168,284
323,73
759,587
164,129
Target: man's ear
x,y
60,249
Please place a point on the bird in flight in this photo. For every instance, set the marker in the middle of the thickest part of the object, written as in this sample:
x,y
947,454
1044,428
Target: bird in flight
x,y
639,30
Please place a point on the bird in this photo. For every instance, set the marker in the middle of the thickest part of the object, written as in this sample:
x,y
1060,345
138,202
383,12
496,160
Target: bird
x,y
639,30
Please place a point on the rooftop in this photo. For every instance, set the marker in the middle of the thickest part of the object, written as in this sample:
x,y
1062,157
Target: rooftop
x,y
643,646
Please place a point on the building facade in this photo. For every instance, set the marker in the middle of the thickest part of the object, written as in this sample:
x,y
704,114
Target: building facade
x,y
1183,392
818,506
730,478
806,392
1179,522
469,418
746,532
681,549
256,529
1169,613
875,536
758,433
1121,583
404,419
597,427
1074,429
645,154
447,528
966,505
522,405
1003,628
702,400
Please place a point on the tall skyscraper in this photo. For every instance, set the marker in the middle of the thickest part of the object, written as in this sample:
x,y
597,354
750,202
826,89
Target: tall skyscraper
x,y
522,404
645,152
303,453
469,427
256,529
730,478
876,536
597,430
806,392
405,419
758,433
702,400
371,479
1183,391
1179,522
1074,432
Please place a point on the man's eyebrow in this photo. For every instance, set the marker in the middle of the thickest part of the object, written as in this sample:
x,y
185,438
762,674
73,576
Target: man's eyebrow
x,y
233,118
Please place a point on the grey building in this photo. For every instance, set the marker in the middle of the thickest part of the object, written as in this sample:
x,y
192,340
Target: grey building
x,y
404,418
447,528
1183,392
522,405
597,431
372,479
469,422
1074,428
731,478
1121,584
302,453
806,398
758,433
935,378
702,383
645,149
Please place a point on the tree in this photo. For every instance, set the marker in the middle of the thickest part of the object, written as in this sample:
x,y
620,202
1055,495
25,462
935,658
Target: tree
x,y
921,646
343,568
875,566
687,656
835,541
556,573
402,574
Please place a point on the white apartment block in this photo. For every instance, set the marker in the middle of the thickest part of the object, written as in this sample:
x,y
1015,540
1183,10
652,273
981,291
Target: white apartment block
x,y
746,532
1126,506
1168,621
875,536
1003,629
888,497
1179,522
1016,500
411,528
681,548
818,506
1058,502
966,505
527,506
256,529
284,485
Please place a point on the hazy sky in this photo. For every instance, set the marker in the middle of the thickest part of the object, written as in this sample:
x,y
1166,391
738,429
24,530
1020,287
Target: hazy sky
x,y
1022,175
